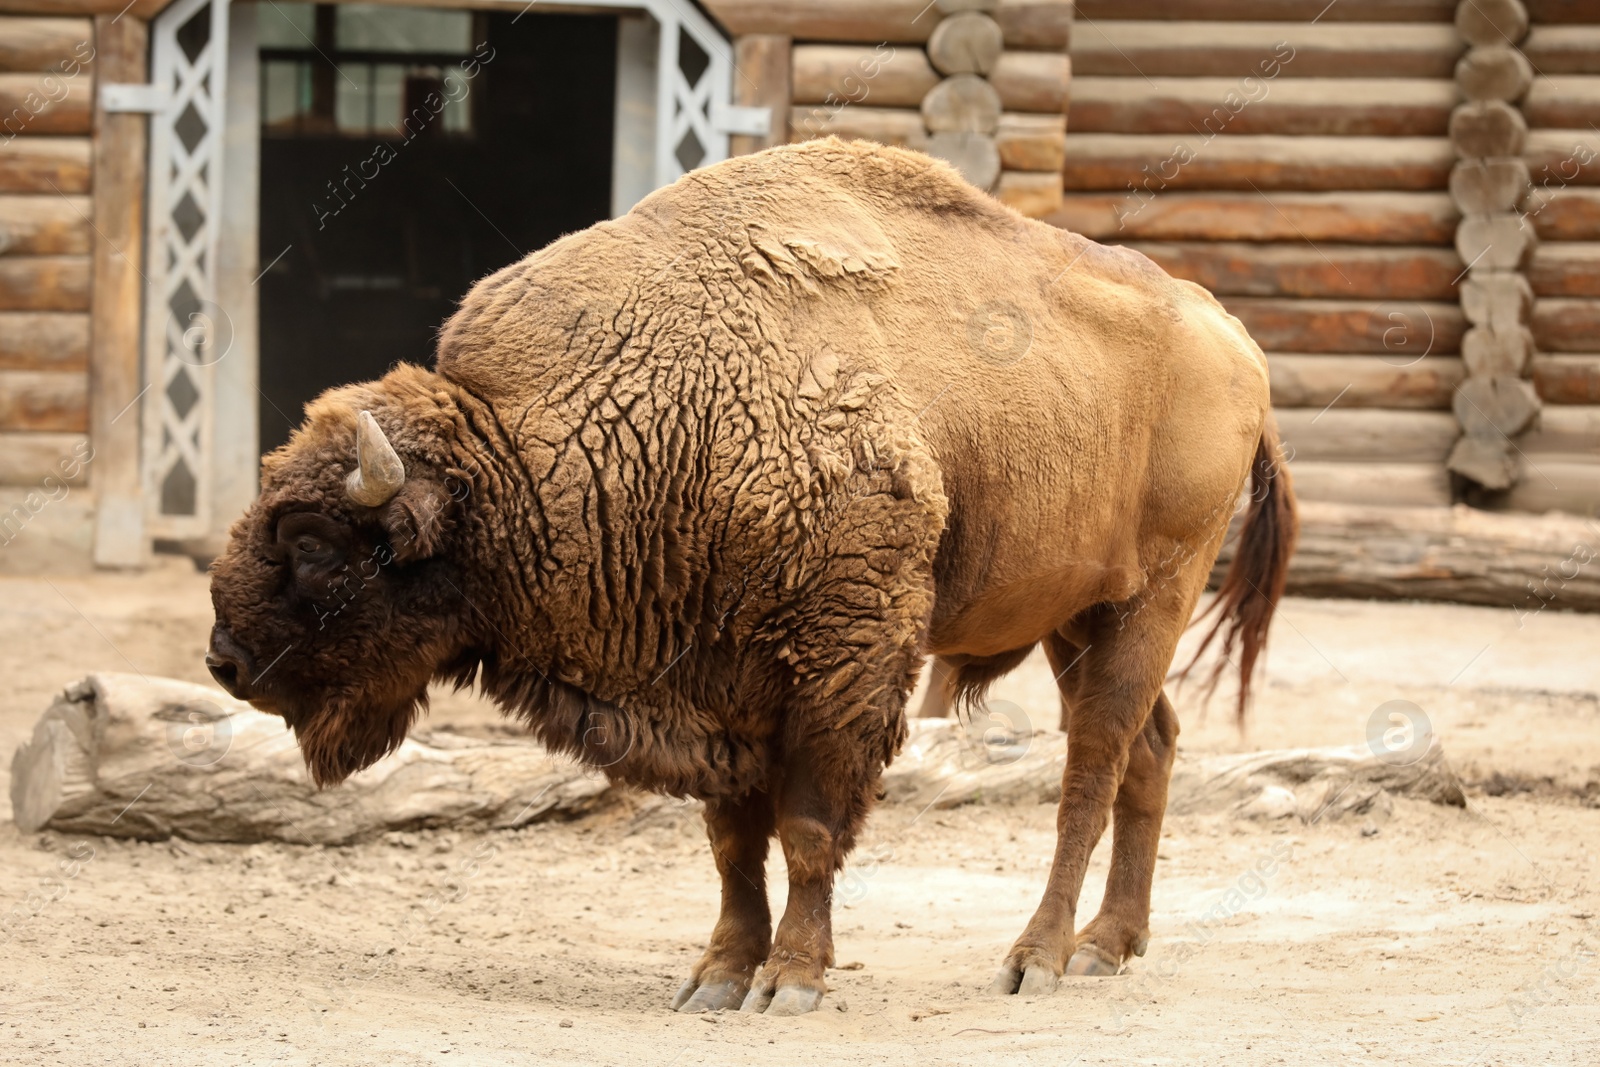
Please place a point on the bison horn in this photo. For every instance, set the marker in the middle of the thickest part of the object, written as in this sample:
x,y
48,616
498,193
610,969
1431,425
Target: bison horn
x,y
379,474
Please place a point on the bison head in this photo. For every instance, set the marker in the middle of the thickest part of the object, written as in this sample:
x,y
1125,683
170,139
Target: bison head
x,y
339,596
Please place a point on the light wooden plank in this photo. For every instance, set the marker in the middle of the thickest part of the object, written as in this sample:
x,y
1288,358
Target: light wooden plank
x,y
43,340
1324,49
1388,107
1155,163
45,44
1301,268
44,283
1402,330
1336,217
44,225
45,165
44,400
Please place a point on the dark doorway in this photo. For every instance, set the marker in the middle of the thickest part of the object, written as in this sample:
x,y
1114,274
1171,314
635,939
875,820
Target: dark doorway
x,y
405,154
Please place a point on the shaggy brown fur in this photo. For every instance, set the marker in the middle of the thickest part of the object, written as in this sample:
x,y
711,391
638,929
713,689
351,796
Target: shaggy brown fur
x,y
693,491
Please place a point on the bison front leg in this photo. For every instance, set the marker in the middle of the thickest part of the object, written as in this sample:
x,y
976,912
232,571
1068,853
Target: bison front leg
x,y
739,831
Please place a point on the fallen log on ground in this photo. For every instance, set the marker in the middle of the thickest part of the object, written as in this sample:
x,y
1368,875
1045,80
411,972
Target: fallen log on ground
x,y
126,756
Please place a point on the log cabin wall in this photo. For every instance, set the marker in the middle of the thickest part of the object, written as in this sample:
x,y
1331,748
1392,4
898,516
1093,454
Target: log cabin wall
x,y
47,76
982,83
1297,166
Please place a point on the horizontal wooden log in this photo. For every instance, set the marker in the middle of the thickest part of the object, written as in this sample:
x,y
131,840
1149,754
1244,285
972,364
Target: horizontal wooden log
x,y
878,77
968,42
44,44
1033,193
26,459
1488,23
44,400
1323,49
1033,81
1567,379
1572,430
1566,268
38,104
1494,72
1304,269
1386,107
1033,142
1042,24
1547,484
1155,163
1563,157
1454,554
1411,485
1563,49
1487,129
1273,10
1563,213
44,225
1401,330
1562,11
1563,101
1341,217
1317,381
44,283
62,7
47,340
1566,324
896,126
45,165
1341,435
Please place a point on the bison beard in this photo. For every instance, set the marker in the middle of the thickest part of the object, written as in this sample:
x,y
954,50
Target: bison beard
x,y
692,492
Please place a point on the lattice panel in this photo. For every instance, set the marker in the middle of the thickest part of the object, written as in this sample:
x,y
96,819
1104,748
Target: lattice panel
x,y
696,75
182,318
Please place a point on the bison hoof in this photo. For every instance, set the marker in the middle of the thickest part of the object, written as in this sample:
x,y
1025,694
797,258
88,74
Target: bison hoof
x,y
1089,960
790,1000
694,998
1035,978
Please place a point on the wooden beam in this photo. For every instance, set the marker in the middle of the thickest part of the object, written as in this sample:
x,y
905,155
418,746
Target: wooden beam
x,y
1025,23
117,305
1566,268
1571,157
1337,434
761,79
1337,217
1563,49
1272,10
61,7
1033,143
43,340
44,44
44,283
44,225
1402,330
1569,11
1568,430
1317,381
1567,379
45,165
44,400
1231,50
896,126
1387,107
861,74
1563,101
1564,324
37,104
1374,484
1033,81
1545,484
1562,213
26,459
1303,269
1033,193
1155,163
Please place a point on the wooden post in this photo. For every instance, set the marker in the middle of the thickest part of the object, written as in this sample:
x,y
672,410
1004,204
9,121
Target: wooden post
x,y
117,299
762,77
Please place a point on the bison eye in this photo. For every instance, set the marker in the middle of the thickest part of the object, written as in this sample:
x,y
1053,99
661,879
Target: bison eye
x,y
309,546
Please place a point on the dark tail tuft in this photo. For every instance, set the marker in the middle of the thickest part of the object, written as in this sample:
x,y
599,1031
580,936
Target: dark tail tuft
x,y
1255,581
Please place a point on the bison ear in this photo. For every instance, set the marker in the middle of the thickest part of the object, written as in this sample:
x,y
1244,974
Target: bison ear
x,y
417,520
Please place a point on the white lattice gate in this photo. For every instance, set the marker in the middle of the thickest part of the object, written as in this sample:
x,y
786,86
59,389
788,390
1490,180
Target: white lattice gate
x,y
188,331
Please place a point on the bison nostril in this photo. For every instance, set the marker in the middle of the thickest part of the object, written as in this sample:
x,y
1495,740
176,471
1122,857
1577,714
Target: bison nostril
x,y
226,672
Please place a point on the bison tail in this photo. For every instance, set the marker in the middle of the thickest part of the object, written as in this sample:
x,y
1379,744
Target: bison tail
x,y
1255,581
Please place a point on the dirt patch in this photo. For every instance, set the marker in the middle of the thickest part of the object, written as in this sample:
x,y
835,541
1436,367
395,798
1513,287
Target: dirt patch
x,y
1434,936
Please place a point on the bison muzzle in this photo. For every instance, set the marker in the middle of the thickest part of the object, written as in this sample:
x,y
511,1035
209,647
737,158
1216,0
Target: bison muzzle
x,y
694,491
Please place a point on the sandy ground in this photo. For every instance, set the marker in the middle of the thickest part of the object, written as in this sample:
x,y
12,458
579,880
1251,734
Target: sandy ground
x,y
1435,936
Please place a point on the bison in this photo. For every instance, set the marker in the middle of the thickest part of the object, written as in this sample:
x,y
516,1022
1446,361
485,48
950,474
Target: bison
x,y
693,492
